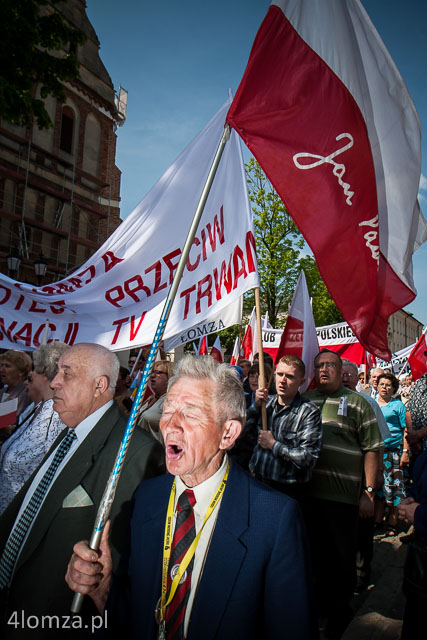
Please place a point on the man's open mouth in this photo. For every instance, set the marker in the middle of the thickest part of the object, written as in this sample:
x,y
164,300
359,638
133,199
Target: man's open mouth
x,y
174,451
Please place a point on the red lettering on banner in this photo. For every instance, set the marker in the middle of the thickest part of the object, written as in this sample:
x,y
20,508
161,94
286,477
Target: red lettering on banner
x,y
158,284
250,251
133,331
71,333
57,307
7,294
7,331
193,266
129,290
216,229
204,254
238,257
186,294
229,276
119,324
172,265
70,285
110,260
76,282
224,278
92,273
20,301
139,286
24,334
39,333
120,296
204,292
35,309
63,287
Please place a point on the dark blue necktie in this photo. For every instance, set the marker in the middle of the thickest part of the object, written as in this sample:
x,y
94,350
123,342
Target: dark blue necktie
x,y
13,545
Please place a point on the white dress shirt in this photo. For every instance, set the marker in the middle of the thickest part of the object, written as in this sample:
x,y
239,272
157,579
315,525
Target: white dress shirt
x,y
203,493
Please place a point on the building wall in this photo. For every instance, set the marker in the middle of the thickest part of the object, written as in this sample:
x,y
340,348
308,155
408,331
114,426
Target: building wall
x,y
60,188
403,330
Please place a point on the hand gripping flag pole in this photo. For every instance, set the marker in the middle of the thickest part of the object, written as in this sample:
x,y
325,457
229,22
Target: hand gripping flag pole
x,y
110,489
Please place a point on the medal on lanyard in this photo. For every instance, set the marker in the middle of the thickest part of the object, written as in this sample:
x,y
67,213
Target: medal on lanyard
x,y
164,601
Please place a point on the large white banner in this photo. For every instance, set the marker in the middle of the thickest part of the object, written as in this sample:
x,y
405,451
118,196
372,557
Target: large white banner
x,y
216,322
116,298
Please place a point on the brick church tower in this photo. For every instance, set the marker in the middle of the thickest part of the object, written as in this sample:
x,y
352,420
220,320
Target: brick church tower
x,y
60,187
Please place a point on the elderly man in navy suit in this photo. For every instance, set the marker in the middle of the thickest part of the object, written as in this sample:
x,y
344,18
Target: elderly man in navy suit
x,y
213,553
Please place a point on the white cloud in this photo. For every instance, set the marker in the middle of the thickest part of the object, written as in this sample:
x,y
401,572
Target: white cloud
x,y
423,183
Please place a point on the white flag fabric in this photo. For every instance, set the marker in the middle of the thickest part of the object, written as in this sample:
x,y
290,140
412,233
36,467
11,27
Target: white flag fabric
x,y
249,346
116,298
235,355
328,117
216,351
299,335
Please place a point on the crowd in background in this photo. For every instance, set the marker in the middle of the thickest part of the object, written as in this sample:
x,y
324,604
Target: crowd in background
x,y
381,418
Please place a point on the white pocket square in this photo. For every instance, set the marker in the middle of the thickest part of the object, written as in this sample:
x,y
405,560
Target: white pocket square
x,y
78,497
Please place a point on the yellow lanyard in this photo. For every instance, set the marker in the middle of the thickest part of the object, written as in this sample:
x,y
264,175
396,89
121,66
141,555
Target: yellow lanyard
x,y
164,600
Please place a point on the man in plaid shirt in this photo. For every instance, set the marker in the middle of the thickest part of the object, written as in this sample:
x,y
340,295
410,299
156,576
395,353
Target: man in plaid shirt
x,y
285,454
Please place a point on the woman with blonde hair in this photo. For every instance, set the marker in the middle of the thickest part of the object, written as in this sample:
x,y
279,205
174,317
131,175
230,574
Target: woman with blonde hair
x,y
14,368
22,453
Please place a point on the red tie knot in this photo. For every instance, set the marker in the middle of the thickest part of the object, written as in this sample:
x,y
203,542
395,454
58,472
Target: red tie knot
x,y
186,500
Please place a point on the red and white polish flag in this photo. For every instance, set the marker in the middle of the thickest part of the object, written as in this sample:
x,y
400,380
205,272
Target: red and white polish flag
x,y
249,346
216,352
327,115
8,413
417,358
202,349
236,352
299,337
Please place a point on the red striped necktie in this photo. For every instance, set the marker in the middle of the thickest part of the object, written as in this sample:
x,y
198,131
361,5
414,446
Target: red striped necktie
x,y
185,532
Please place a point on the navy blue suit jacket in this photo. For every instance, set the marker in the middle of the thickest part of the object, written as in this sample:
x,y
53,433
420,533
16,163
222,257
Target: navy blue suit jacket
x,y
256,580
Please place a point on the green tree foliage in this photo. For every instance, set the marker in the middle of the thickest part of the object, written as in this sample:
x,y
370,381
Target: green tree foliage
x,y
279,243
36,48
282,254
325,310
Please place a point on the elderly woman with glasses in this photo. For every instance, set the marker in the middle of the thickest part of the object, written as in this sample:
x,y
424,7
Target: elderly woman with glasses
x,y
14,368
151,412
37,430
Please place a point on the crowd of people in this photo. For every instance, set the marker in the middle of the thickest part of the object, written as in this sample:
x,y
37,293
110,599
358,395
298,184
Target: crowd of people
x,y
242,511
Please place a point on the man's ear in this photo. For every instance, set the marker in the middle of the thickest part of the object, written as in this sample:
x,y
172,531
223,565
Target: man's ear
x,y
102,385
232,430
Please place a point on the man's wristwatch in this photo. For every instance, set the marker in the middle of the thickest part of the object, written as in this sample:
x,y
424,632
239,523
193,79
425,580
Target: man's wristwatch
x,y
370,490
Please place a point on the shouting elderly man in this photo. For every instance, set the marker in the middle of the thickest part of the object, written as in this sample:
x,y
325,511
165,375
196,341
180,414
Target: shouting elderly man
x,y
215,553
58,504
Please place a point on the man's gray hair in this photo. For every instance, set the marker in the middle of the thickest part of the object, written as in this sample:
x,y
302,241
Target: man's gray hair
x,y
228,398
45,358
101,362
348,363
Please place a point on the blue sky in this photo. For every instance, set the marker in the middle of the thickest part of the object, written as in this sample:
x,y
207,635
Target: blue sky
x,y
178,59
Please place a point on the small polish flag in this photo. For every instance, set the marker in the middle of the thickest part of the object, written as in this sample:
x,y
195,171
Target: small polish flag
x,y
418,356
8,413
216,352
299,337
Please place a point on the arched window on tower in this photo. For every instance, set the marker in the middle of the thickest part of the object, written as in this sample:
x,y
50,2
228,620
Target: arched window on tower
x,y
67,130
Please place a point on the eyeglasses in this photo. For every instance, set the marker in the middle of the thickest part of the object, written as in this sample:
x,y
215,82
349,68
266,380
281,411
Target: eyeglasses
x,y
157,373
349,375
328,365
